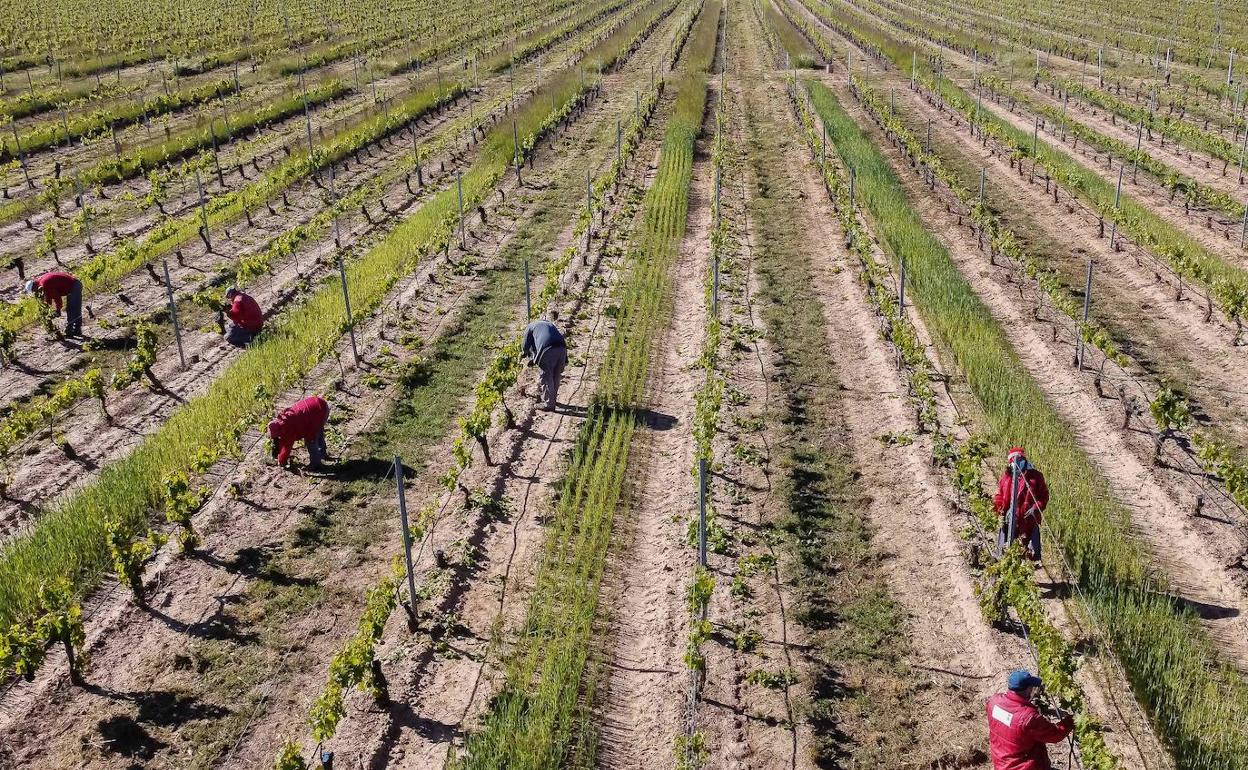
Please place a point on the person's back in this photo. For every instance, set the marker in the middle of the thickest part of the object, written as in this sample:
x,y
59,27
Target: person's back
x,y
304,419
541,335
56,284
61,290
1017,731
245,312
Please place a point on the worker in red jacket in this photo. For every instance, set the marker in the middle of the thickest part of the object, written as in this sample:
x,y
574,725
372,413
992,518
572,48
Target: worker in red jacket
x,y
1029,498
1017,731
305,421
246,320
60,289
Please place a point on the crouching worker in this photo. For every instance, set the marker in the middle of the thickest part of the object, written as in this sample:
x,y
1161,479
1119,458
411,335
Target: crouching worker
x,y
305,421
245,318
545,347
1020,508
59,290
1017,731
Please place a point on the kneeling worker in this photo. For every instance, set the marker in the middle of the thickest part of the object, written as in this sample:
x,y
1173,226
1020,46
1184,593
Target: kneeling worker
x,y
56,286
246,320
305,421
545,347
1017,731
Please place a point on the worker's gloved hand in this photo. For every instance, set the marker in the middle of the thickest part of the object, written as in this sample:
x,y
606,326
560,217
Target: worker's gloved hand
x,y
1068,721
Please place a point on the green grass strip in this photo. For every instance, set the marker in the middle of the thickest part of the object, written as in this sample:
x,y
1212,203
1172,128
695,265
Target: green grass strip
x,y
799,45
539,720
1198,702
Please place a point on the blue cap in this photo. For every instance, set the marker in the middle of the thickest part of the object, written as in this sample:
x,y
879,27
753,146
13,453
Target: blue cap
x,y
1023,680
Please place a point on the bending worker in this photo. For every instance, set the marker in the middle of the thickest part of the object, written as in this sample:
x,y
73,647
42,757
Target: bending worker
x,y
305,421
54,287
545,347
1029,498
246,320
1017,731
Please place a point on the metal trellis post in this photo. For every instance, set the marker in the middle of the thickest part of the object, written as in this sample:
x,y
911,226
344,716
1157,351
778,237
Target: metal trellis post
x,y
346,301
407,536
173,313
459,188
1087,302
203,210
901,286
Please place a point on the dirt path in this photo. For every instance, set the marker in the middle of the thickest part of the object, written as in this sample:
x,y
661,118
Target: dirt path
x,y
908,504
1130,736
753,604
643,704
1161,330
1200,577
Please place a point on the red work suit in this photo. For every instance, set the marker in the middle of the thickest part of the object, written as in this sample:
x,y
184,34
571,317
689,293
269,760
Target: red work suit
x,y
1030,496
55,287
305,421
246,313
1017,733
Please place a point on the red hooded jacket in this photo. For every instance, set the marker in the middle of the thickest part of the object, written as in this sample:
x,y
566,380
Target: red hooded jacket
x,y
1017,733
55,287
1031,493
302,422
246,313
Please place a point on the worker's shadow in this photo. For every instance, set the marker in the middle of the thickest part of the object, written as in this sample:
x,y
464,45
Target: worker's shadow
x,y
362,469
1203,610
109,344
655,420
